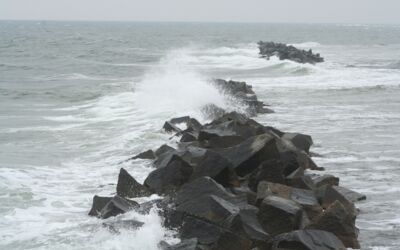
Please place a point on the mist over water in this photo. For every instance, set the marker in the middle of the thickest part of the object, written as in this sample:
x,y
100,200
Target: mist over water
x,y
76,99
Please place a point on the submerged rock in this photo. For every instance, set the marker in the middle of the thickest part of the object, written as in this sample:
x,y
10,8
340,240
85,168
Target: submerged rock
x,y
116,226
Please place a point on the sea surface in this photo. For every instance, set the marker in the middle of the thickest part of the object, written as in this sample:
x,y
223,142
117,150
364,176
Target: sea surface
x,y
77,98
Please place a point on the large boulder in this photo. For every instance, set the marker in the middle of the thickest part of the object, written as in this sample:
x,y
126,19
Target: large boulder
x,y
245,223
307,240
169,178
271,170
206,186
301,141
249,154
117,205
327,179
347,197
305,198
163,149
97,205
128,187
339,221
209,207
212,235
278,215
217,167
149,155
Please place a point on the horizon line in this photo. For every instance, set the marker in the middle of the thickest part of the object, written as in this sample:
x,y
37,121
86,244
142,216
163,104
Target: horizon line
x,y
205,22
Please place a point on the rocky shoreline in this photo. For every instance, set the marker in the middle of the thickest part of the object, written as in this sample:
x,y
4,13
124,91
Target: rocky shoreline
x,y
234,183
288,52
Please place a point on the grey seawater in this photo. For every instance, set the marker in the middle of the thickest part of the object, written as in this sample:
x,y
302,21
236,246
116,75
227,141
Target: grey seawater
x,y
77,98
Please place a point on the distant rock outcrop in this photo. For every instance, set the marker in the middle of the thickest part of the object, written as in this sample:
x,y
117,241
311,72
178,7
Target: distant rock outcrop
x,y
288,52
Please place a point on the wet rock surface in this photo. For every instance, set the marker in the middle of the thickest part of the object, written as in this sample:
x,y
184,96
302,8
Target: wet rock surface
x,y
288,52
234,183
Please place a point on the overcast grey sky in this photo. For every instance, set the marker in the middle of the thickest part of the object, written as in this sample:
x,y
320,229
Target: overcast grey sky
x,y
325,11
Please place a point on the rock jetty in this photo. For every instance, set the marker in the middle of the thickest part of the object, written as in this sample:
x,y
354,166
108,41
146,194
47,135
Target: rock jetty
x,y
235,184
288,52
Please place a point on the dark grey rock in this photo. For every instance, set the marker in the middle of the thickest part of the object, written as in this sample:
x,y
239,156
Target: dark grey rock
x,y
149,154
204,186
288,52
337,220
98,203
301,141
167,179
117,205
278,215
248,155
128,187
208,207
307,240
217,167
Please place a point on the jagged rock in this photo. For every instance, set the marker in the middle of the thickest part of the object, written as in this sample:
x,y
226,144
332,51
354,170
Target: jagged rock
x,y
193,155
278,215
337,220
288,52
97,205
217,167
128,187
116,226
149,154
206,232
169,178
209,207
223,141
212,235
244,190
170,127
344,195
163,149
164,159
248,155
303,160
245,223
298,180
303,197
350,194
301,141
307,240
207,186
321,180
117,205
188,137
270,170
231,241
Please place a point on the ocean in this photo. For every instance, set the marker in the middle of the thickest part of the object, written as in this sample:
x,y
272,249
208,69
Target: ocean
x,y
77,98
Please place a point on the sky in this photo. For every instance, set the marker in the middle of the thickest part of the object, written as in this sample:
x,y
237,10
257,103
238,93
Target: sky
x,y
286,11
